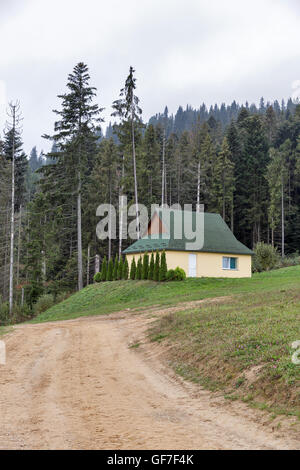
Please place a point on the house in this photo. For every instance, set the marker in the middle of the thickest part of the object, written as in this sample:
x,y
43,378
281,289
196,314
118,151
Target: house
x,y
218,254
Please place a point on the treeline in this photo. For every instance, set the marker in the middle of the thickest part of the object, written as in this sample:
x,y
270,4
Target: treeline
x,y
239,161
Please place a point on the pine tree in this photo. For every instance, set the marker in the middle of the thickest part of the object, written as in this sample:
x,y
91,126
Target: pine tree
x,y
104,269
110,271
13,139
156,267
33,160
163,267
145,266
120,268
133,269
104,181
278,177
127,108
151,268
73,136
139,269
116,268
255,185
223,181
125,273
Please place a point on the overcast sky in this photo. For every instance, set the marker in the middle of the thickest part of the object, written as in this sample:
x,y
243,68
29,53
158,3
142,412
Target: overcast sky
x,y
184,52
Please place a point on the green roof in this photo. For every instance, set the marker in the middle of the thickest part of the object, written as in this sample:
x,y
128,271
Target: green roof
x,y
218,238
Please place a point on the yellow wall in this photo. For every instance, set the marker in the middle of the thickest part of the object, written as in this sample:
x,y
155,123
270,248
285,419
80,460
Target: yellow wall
x,y
208,264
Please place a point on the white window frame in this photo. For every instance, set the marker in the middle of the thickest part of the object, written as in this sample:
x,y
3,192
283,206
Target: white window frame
x,y
228,258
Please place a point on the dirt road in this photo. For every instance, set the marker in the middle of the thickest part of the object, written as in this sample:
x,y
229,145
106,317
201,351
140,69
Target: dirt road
x,y
78,385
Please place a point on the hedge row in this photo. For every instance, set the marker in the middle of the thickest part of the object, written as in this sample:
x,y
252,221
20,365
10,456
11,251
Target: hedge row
x,y
153,269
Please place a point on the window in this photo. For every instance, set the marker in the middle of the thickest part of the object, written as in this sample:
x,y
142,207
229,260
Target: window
x,y
229,263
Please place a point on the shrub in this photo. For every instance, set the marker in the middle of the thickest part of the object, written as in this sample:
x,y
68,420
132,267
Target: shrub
x,y
132,269
116,268
145,266
98,277
43,303
265,258
291,260
125,273
110,270
180,274
163,267
171,275
33,291
139,269
156,267
120,269
151,268
63,296
104,269
4,313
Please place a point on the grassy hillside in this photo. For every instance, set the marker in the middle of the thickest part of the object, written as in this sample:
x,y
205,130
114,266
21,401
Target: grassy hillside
x,y
104,298
240,346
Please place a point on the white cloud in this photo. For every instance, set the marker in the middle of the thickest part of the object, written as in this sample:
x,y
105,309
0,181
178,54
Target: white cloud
x,y
184,52
3,103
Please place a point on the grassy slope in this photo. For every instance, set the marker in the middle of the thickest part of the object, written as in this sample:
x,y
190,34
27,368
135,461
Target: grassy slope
x,y
240,346
111,297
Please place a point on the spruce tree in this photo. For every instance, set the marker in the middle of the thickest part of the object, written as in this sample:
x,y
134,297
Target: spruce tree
x,y
33,160
125,273
127,108
145,266
104,269
13,138
116,268
74,135
120,269
156,267
133,269
163,267
110,270
139,269
151,268
223,181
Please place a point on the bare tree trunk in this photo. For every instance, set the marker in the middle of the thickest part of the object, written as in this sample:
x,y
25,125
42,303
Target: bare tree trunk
x,y
198,186
166,192
135,180
232,218
109,222
97,264
12,217
282,220
44,267
88,265
79,234
19,245
6,254
22,297
163,171
224,208
121,211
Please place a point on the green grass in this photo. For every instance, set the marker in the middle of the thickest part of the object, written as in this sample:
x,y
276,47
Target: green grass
x,y
105,298
241,347
4,330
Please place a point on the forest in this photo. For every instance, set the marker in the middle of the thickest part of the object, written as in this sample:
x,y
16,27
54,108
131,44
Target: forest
x,y
241,161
